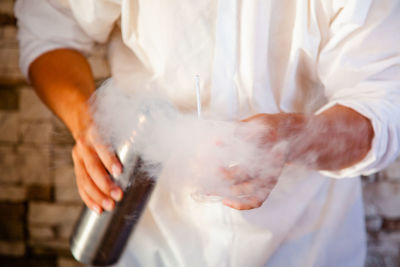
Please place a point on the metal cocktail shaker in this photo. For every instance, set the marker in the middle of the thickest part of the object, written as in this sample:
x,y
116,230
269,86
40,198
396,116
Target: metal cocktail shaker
x,y
100,239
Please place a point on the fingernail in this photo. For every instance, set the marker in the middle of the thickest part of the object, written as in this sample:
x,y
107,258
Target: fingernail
x,y
97,209
116,194
116,170
107,204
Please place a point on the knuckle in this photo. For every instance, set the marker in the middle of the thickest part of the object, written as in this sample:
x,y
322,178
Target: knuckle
x,y
81,141
103,184
86,186
94,169
105,187
98,198
99,175
90,166
93,191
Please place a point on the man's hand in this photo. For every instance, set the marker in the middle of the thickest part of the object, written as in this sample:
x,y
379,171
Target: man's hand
x,y
251,192
332,140
92,159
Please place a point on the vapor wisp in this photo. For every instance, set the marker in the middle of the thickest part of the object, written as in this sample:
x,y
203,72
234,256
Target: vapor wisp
x,y
207,156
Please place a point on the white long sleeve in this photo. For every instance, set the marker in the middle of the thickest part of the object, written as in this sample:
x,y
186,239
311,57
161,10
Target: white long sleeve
x,y
45,25
360,68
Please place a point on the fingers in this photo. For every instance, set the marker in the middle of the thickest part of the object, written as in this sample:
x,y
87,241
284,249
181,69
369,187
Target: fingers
x,y
250,193
246,200
110,160
106,154
94,184
243,204
234,174
97,172
83,185
89,201
244,189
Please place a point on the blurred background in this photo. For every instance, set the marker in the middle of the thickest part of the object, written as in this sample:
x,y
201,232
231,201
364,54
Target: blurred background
x,y
39,202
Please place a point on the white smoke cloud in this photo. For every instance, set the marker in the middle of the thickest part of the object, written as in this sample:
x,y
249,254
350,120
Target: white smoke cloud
x,y
206,155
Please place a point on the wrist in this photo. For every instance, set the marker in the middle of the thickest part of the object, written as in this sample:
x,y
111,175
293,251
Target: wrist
x,y
333,140
290,126
82,120
77,118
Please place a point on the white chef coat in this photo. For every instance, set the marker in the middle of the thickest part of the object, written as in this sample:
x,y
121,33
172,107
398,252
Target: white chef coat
x,y
253,57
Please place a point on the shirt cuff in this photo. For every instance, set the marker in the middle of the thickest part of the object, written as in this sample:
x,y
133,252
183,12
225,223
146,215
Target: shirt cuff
x,y
374,160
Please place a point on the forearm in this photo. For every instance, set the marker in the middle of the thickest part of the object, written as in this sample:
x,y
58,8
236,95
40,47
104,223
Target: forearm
x,y
64,81
332,140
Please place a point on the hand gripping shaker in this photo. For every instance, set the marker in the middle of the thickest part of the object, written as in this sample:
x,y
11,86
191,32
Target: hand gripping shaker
x,y
100,239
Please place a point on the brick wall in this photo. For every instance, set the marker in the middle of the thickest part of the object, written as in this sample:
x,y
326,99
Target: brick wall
x,y
39,202
38,198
